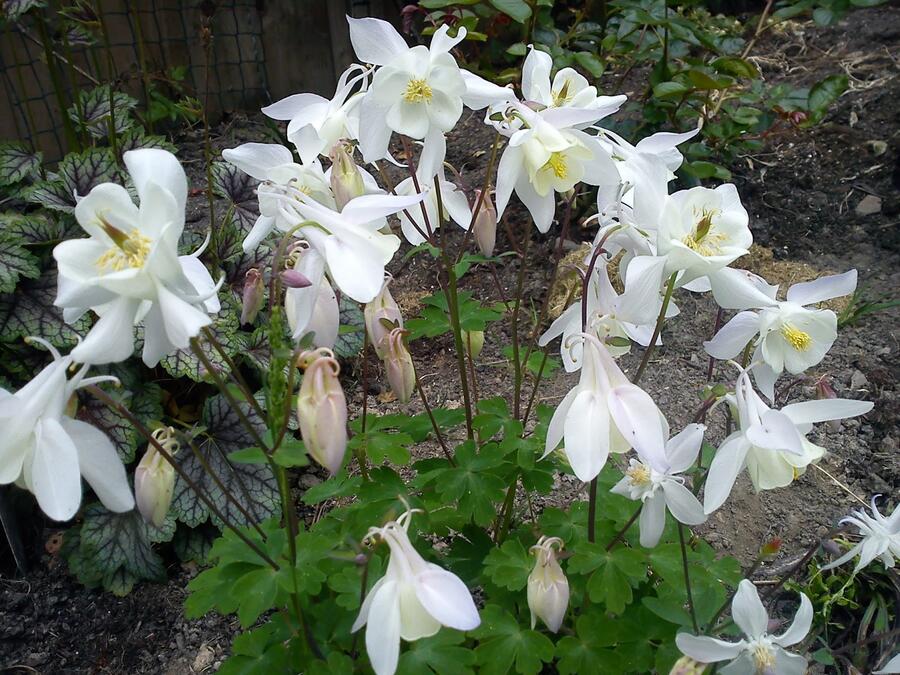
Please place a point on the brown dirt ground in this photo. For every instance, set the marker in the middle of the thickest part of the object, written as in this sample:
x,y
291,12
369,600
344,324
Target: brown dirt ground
x,y
802,191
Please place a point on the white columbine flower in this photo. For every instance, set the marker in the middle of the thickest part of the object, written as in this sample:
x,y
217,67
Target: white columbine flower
x,y
788,335
417,91
880,539
351,241
313,309
619,318
316,123
274,166
703,230
771,444
411,601
568,89
758,653
128,270
549,155
48,453
653,479
593,416
548,588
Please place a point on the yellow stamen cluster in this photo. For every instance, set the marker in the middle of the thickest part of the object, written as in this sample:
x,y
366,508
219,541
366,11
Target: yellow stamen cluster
x,y
764,659
639,474
417,91
707,245
796,338
130,253
562,96
557,164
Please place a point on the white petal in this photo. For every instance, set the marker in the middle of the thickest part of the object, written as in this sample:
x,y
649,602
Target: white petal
x,y
415,621
810,412
156,341
508,172
555,430
181,320
290,107
355,267
541,208
374,134
824,288
640,302
789,664
375,41
108,202
568,117
111,338
652,520
456,204
739,289
257,159
446,598
800,627
441,42
776,431
765,378
726,465
706,649
747,610
431,161
53,472
683,504
383,629
682,448
481,93
587,435
637,418
200,278
363,615
892,666
100,465
733,336
367,208
151,165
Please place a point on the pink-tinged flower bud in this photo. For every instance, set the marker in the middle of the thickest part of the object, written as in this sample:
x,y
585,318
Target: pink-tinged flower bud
x,y
322,409
548,588
825,390
346,179
380,313
154,479
401,372
252,299
294,279
687,666
770,548
474,342
485,226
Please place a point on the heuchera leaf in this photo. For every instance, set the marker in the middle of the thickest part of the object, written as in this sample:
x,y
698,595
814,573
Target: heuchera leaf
x,y
15,262
38,228
17,163
30,311
13,9
350,338
143,404
91,111
78,173
252,484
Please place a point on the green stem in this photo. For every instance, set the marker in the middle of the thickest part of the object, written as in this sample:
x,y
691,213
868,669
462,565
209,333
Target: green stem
x,y
687,578
514,328
504,518
670,287
234,372
434,425
592,511
621,533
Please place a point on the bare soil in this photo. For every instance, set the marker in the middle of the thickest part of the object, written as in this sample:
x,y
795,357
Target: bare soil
x,y
822,200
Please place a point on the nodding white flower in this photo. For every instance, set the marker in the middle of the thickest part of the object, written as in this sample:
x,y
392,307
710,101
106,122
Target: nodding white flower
x,y
383,307
653,479
322,409
569,88
154,478
416,226
703,230
398,363
316,123
614,319
314,308
880,538
275,167
128,270
758,653
593,417
417,91
411,601
548,155
47,452
351,241
787,335
771,444
548,588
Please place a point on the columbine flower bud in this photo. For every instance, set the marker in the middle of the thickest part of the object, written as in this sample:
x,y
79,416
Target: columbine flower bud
x,y
398,363
687,666
548,588
252,299
346,179
825,390
382,307
322,409
154,479
294,279
474,342
485,227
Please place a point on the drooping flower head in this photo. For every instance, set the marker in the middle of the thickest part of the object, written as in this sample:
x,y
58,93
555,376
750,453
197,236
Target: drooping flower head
x,y
322,409
880,538
548,588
